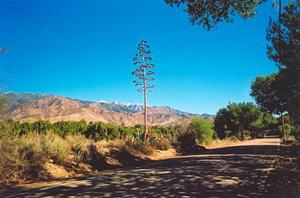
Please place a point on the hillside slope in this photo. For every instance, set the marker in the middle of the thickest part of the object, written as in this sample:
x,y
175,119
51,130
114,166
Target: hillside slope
x,y
32,107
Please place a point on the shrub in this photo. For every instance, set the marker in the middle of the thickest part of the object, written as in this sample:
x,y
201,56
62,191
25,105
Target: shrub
x,y
95,158
20,157
9,128
137,147
55,147
202,129
169,132
198,131
187,144
64,128
31,151
78,144
42,126
186,139
163,144
12,166
96,131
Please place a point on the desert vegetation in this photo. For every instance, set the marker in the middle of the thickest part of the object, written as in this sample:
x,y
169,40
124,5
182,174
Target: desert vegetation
x,y
26,147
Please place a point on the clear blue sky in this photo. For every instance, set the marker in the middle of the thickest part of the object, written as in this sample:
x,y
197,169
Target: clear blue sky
x,y
84,49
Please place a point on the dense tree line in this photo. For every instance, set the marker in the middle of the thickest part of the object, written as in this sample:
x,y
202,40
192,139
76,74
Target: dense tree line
x,y
92,130
241,119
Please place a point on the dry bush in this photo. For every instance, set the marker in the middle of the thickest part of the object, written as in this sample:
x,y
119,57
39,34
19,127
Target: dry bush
x,y
88,151
78,144
55,147
95,158
187,144
222,142
186,139
138,147
31,150
115,144
12,166
163,144
20,158
24,157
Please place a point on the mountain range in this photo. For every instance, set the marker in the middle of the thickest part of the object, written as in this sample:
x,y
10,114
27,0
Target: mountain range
x,y
33,107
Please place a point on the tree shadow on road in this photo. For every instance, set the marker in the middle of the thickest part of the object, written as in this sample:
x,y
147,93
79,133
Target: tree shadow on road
x,y
227,172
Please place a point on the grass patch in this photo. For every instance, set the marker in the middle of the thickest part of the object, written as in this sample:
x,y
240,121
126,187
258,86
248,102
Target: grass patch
x,y
79,145
223,142
55,147
20,158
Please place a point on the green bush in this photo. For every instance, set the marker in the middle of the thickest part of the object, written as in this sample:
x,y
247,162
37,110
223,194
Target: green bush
x,y
9,128
202,129
95,131
169,132
64,128
42,126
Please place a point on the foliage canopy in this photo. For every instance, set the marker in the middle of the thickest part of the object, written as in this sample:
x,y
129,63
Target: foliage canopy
x,y
208,13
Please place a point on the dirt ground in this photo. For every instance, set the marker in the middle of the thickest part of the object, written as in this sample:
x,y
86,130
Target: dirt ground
x,y
284,181
239,170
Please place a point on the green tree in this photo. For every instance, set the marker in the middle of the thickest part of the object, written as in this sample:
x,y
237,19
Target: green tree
x,y
267,92
251,119
266,124
235,119
209,13
221,123
144,76
283,37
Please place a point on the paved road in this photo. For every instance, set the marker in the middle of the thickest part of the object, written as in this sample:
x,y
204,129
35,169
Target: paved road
x,y
236,171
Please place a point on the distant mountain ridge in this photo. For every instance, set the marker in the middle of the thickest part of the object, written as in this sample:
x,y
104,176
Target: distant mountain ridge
x,y
32,107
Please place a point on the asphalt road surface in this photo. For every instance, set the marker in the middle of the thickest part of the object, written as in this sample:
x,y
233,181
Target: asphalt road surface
x,y
235,171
